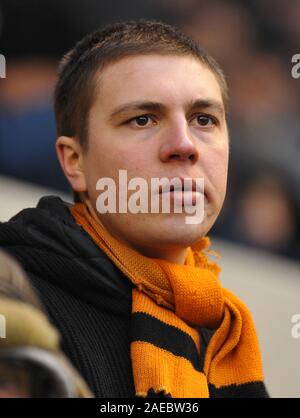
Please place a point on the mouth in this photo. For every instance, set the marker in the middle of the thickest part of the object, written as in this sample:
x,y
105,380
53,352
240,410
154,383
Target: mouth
x,y
186,185
187,189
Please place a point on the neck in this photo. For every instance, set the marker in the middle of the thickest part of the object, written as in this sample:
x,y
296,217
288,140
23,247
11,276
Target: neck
x,y
173,255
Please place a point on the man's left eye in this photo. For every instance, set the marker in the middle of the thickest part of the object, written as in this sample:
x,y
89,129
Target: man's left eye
x,y
205,120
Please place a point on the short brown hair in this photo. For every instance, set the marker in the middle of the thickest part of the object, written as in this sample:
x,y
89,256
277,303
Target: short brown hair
x,y
75,89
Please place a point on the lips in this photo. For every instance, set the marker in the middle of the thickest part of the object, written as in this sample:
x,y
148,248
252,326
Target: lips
x,y
186,184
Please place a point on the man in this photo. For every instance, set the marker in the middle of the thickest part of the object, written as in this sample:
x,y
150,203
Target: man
x,y
139,305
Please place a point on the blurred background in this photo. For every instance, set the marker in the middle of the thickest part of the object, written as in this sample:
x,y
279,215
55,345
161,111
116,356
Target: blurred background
x,y
259,229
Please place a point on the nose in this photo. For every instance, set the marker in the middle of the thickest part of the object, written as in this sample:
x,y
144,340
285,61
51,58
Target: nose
x,y
177,144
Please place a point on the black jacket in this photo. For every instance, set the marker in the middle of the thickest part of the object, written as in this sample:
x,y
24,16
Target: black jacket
x,y
87,298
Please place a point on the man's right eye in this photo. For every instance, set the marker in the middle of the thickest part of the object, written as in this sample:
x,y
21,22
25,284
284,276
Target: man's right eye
x,y
141,121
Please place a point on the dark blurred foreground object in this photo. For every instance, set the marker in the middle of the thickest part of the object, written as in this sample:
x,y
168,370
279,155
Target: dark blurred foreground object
x,y
31,363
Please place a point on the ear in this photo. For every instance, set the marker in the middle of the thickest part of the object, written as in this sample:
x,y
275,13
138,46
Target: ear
x,y
70,156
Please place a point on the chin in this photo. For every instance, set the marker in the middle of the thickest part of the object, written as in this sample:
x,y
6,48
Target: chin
x,y
176,231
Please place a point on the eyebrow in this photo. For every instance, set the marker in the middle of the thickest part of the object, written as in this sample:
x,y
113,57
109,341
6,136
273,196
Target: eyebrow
x,y
137,105
211,104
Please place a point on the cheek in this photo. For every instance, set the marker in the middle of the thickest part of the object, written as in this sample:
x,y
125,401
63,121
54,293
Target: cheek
x,y
103,161
216,167
96,165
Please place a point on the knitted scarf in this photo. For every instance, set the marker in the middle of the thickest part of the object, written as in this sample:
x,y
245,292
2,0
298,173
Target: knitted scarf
x,y
169,303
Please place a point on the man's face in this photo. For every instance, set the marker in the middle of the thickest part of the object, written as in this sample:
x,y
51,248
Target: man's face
x,y
158,116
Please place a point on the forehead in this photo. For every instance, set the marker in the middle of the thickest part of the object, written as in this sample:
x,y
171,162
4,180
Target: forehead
x,y
169,79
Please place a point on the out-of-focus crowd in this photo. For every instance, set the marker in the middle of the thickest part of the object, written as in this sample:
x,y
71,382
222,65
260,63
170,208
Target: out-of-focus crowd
x,y
254,43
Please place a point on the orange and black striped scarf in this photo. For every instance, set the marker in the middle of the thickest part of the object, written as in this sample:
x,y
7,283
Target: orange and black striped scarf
x,y
169,304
